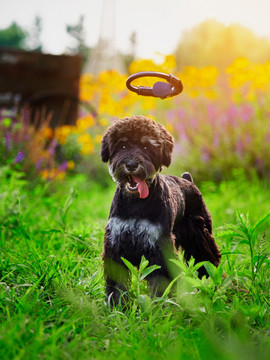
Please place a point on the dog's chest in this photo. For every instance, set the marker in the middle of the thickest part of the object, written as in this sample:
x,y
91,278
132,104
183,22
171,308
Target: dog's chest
x,y
133,233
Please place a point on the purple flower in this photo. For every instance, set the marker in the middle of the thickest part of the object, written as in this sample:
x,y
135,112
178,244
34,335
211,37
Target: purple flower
x,y
181,113
170,116
8,140
19,158
267,137
205,155
216,140
38,163
52,147
232,111
239,147
247,112
26,117
63,166
193,122
248,139
212,113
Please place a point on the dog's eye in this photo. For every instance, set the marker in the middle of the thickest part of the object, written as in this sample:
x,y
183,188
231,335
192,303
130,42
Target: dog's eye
x,y
145,147
121,145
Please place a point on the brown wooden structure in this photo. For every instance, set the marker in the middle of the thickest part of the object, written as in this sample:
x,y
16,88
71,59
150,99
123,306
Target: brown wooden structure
x,y
46,83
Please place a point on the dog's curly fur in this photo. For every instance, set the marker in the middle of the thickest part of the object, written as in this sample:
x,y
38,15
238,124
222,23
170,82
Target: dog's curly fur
x,y
151,215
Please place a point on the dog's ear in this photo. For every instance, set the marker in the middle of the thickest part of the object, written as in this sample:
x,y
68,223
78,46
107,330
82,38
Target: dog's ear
x,y
105,152
167,148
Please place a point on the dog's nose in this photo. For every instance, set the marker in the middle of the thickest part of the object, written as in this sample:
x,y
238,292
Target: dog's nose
x,y
131,165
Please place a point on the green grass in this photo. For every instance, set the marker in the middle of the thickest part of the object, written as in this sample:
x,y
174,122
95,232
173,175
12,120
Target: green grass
x,y
52,303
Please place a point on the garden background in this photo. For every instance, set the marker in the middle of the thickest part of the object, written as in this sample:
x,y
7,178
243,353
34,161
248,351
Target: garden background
x,y
55,198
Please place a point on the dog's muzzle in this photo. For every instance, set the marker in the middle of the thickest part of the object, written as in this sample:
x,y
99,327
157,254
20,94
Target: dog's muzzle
x,y
131,165
134,172
135,184
132,177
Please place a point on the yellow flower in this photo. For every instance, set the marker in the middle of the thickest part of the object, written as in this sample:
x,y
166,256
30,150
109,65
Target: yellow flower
x,y
207,76
70,164
47,133
238,64
85,122
104,122
142,65
151,117
210,94
149,103
63,132
193,93
98,139
60,175
87,144
87,87
169,63
44,174
84,138
169,127
88,148
50,174
189,76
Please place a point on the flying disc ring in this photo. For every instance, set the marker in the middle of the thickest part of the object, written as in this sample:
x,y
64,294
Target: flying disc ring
x,y
160,89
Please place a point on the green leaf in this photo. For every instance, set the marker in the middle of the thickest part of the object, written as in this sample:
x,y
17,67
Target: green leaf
x,y
143,264
244,222
132,268
148,271
7,122
260,222
169,287
214,272
179,264
198,265
232,253
244,241
234,244
229,233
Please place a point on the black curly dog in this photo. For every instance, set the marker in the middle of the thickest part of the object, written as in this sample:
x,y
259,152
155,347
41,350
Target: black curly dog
x,y
151,214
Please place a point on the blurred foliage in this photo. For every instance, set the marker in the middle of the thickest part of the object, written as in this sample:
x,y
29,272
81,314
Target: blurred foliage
x,y
129,57
77,33
24,148
220,123
13,36
213,43
34,42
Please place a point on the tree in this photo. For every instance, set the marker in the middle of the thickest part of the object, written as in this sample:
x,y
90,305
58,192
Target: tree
x,y
130,56
213,43
34,38
13,36
77,32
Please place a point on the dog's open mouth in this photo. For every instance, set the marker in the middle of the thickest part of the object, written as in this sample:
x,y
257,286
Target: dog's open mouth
x,y
135,184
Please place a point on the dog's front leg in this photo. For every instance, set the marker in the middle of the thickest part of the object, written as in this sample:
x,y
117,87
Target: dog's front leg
x,y
117,280
162,255
158,283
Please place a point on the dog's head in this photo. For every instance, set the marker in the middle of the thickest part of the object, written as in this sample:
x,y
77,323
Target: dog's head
x,y
136,148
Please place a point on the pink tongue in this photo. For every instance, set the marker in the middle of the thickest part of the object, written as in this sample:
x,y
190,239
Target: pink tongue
x,y
142,187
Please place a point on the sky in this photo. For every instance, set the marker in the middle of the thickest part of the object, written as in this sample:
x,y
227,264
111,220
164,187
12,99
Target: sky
x,y
159,24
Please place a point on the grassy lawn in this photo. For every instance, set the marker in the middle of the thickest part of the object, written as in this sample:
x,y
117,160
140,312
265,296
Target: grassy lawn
x,y
52,303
